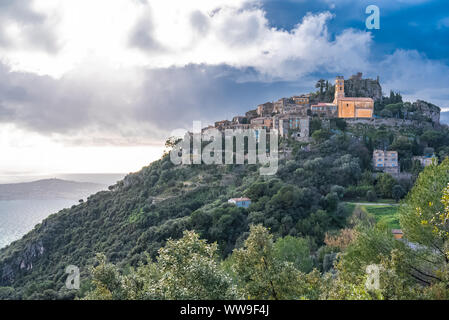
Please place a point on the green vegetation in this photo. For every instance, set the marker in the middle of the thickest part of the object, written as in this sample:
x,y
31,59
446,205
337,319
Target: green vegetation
x,y
299,238
385,215
265,268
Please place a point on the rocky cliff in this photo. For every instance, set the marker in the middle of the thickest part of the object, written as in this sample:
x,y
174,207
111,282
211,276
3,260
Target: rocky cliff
x,y
428,110
358,87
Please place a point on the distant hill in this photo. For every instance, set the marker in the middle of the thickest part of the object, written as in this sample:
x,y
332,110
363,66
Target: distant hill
x,y
444,117
49,189
100,178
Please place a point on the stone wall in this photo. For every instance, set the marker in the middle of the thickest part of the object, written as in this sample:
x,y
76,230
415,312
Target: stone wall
x,y
391,122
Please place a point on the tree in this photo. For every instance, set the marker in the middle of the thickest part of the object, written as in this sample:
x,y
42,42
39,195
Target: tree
x,y
397,192
294,250
421,205
260,274
340,124
170,143
384,185
321,84
434,138
339,190
371,196
385,113
341,240
7,293
186,269
107,281
190,269
440,219
315,125
321,135
403,145
423,218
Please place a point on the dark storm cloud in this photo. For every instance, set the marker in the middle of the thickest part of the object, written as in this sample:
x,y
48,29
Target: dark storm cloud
x,y
175,97
33,28
167,99
40,103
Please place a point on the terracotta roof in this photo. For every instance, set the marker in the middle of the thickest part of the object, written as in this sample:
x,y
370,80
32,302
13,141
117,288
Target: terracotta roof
x,y
322,104
355,99
240,199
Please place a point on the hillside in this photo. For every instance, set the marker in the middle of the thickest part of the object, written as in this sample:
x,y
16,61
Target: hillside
x,y
48,189
306,198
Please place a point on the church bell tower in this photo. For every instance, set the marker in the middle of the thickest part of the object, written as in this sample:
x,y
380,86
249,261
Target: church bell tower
x,y
339,89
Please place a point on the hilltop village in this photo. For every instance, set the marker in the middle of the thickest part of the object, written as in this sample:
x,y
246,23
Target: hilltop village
x,y
294,114
352,100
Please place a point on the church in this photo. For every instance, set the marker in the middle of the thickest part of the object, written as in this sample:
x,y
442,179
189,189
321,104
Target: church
x,y
351,107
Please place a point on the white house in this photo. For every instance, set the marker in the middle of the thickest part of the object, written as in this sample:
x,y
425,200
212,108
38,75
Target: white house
x,y
240,202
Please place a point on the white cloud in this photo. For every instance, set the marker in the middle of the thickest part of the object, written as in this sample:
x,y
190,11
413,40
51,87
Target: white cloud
x,y
161,34
124,73
416,77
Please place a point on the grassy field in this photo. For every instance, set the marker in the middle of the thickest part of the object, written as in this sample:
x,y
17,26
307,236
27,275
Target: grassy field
x,y
385,214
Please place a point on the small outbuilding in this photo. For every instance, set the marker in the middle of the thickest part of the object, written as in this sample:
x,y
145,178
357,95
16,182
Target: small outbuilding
x,y
241,202
397,233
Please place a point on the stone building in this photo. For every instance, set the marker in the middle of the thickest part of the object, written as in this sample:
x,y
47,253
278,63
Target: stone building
x,y
251,114
302,99
292,123
281,104
386,161
296,109
223,124
355,108
265,109
240,120
262,123
351,107
424,160
322,109
239,126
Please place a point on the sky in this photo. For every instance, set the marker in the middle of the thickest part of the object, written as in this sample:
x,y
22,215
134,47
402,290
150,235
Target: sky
x,y
93,86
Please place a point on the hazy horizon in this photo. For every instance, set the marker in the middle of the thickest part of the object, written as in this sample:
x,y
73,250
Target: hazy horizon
x,y
99,178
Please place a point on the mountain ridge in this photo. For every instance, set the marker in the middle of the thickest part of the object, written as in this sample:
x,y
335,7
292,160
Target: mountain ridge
x,y
48,189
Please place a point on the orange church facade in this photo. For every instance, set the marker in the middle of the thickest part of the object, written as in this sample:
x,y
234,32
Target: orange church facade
x,y
351,107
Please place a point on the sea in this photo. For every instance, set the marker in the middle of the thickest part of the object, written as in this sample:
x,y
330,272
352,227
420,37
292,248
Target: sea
x,y
18,217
